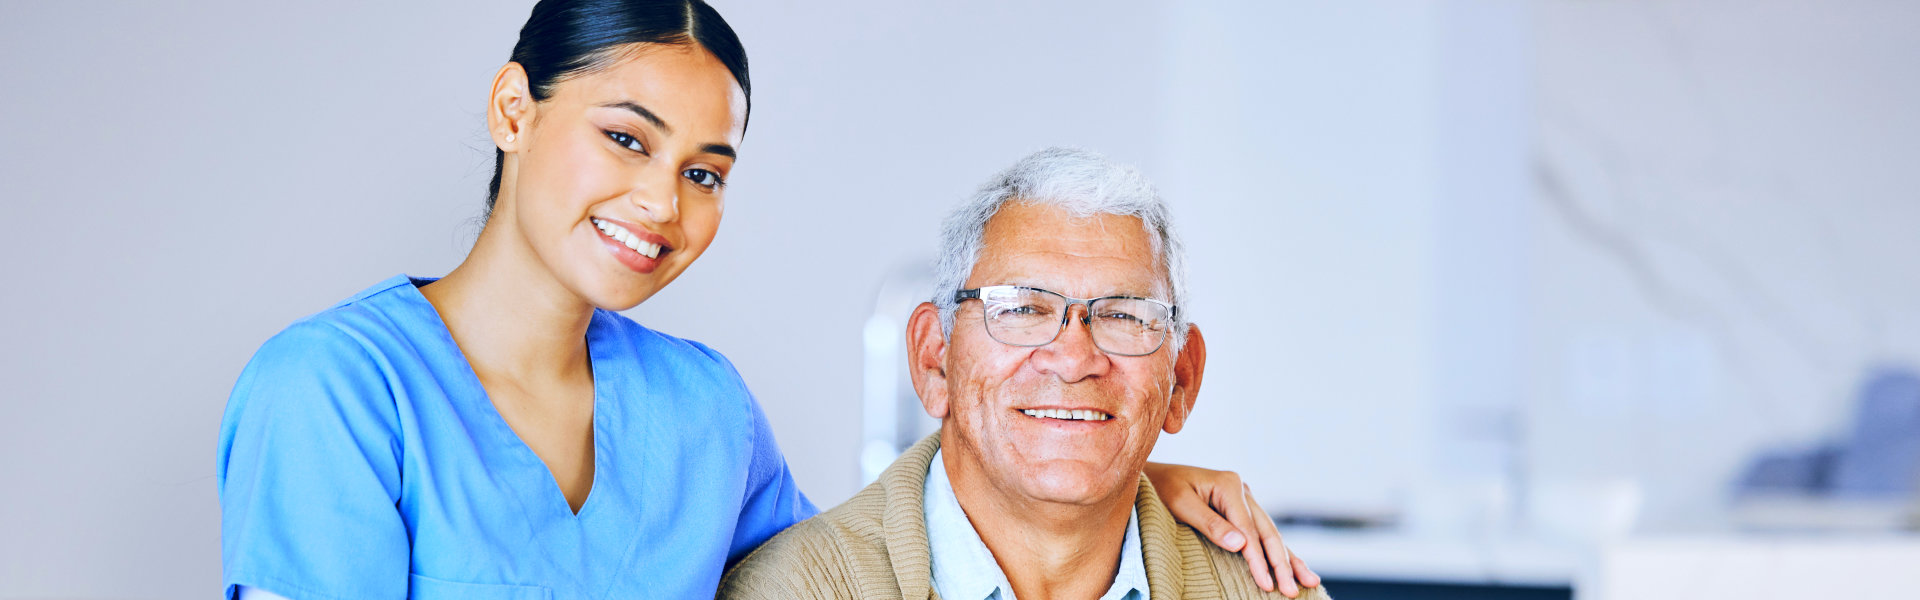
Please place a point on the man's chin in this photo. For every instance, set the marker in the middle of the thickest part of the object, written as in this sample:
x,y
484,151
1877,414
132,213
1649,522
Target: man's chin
x,y
1075,482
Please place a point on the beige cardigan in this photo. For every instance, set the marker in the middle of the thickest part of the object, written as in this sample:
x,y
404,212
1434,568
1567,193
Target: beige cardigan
x,y
875,546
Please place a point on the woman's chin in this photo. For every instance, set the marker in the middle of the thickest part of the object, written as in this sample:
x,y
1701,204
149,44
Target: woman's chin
x,y
619,298
624,291
611,285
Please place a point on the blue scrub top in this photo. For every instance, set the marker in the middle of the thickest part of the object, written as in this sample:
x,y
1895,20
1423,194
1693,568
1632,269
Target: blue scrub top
x,y
360,458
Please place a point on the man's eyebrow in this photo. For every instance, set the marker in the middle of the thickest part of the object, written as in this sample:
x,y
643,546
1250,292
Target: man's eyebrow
x,y
1110,292
643,112
720,149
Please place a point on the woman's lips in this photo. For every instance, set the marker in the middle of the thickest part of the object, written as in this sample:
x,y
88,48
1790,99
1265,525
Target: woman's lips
x,y
634,246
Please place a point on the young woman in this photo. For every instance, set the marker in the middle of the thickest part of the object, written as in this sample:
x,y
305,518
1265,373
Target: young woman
x,y
502,432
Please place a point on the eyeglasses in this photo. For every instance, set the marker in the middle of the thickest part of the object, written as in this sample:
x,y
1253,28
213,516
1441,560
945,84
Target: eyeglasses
x,y
1025,316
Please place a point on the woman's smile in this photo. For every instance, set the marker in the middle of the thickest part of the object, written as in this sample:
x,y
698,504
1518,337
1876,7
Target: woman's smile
x,y
632,245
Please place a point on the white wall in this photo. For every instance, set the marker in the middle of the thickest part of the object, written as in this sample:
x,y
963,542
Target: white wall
x,y
1726,232
182,180
1300,154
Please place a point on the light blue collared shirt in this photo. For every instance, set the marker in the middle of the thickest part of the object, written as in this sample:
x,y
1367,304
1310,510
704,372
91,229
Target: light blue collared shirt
x,y
964,569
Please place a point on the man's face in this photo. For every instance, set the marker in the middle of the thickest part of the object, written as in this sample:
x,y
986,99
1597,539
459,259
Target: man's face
x,y
990,385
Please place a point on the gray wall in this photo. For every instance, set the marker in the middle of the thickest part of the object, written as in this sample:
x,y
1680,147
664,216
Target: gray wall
x,y
1399,318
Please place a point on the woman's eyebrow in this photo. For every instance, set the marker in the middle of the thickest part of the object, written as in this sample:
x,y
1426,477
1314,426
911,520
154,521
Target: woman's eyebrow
x,y
643,112
720,149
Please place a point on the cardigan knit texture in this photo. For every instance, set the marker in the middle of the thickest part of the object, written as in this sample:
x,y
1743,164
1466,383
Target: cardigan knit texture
x,y
874,547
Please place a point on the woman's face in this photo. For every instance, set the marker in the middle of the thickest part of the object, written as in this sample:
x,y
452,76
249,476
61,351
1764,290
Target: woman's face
x,y
619,176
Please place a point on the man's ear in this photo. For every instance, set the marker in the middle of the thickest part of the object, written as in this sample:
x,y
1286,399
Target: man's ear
x,y
927,358
1188,368
510,108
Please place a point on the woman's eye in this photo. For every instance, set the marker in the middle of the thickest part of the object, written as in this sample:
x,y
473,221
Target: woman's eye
x,y
703,178
626,140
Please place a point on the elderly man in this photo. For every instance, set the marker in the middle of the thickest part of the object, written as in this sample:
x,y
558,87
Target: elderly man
x,y
1054,354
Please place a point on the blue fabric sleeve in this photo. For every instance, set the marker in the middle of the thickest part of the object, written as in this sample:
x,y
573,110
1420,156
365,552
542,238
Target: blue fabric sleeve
x,y
309,471
773,501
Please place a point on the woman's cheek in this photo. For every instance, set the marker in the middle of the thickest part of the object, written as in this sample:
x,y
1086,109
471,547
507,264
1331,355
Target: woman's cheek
x,y
706,226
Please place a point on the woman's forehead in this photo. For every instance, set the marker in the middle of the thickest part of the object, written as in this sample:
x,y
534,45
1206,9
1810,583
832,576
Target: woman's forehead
x,y
683,83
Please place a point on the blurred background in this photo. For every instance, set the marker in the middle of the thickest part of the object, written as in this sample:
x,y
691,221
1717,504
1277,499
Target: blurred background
x,y
1504,299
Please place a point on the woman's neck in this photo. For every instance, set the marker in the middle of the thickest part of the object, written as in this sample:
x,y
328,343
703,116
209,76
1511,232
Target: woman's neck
x,y
507,312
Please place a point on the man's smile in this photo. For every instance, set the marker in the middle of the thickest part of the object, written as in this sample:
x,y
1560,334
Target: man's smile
x,y
1064,414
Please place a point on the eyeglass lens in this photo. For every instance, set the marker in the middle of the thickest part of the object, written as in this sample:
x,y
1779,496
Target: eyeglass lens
x,y
1031,317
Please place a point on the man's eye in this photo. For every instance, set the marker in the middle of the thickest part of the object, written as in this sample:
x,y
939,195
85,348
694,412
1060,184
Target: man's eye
x,y
703,178
1027,310
626,140
1123,317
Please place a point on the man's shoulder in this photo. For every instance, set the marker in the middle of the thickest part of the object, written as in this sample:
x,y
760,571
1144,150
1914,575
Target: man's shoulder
x,y
805,561
1235,579
840,553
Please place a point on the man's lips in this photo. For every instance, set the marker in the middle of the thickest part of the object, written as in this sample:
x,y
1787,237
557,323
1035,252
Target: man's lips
x,y
1067,414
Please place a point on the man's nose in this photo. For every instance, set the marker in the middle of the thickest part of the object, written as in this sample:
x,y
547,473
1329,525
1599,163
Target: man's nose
x,y
1072,356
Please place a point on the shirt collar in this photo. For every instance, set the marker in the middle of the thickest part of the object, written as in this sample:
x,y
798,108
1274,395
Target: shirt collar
x,y
963,567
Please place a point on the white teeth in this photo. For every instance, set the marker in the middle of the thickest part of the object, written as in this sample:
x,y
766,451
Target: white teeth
x,y
620,234
1066,415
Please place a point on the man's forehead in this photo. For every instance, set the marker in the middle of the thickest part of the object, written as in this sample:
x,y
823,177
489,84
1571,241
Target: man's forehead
x,y
1020,218
1051,248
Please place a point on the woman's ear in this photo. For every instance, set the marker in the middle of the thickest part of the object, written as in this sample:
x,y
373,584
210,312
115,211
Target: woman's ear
x,y
927,358
510,108
1188,368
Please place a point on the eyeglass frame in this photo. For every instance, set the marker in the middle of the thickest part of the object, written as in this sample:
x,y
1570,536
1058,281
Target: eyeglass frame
x,y
1066,314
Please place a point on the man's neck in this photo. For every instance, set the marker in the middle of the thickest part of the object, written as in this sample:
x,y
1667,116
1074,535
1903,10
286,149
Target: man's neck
x,y
1046,549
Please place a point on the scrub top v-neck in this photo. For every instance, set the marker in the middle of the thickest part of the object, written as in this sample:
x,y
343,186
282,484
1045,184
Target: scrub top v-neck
x,y
360,458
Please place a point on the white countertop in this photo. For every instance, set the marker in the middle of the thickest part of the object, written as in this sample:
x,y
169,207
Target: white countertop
x,y
1638,566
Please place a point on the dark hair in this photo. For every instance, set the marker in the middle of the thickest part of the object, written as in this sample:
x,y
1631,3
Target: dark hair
x,y
567,38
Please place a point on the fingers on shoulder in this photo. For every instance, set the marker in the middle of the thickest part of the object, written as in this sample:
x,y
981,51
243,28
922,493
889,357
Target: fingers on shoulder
x,y
1231,568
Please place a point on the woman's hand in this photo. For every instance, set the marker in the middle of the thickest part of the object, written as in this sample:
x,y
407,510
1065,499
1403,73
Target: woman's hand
x,y
1221,506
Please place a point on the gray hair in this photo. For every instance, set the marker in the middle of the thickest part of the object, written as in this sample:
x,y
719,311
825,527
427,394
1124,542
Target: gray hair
x,y
1084,184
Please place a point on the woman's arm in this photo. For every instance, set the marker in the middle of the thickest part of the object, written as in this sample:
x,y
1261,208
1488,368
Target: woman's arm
x,y
1222,507
773,501
309,472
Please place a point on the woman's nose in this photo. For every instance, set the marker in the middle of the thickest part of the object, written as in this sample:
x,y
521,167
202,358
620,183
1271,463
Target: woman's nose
x,y
658,196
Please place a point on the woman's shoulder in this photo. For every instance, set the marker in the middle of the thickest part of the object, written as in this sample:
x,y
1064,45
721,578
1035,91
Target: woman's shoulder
x,y
663,363
657,345
340,365
354,332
